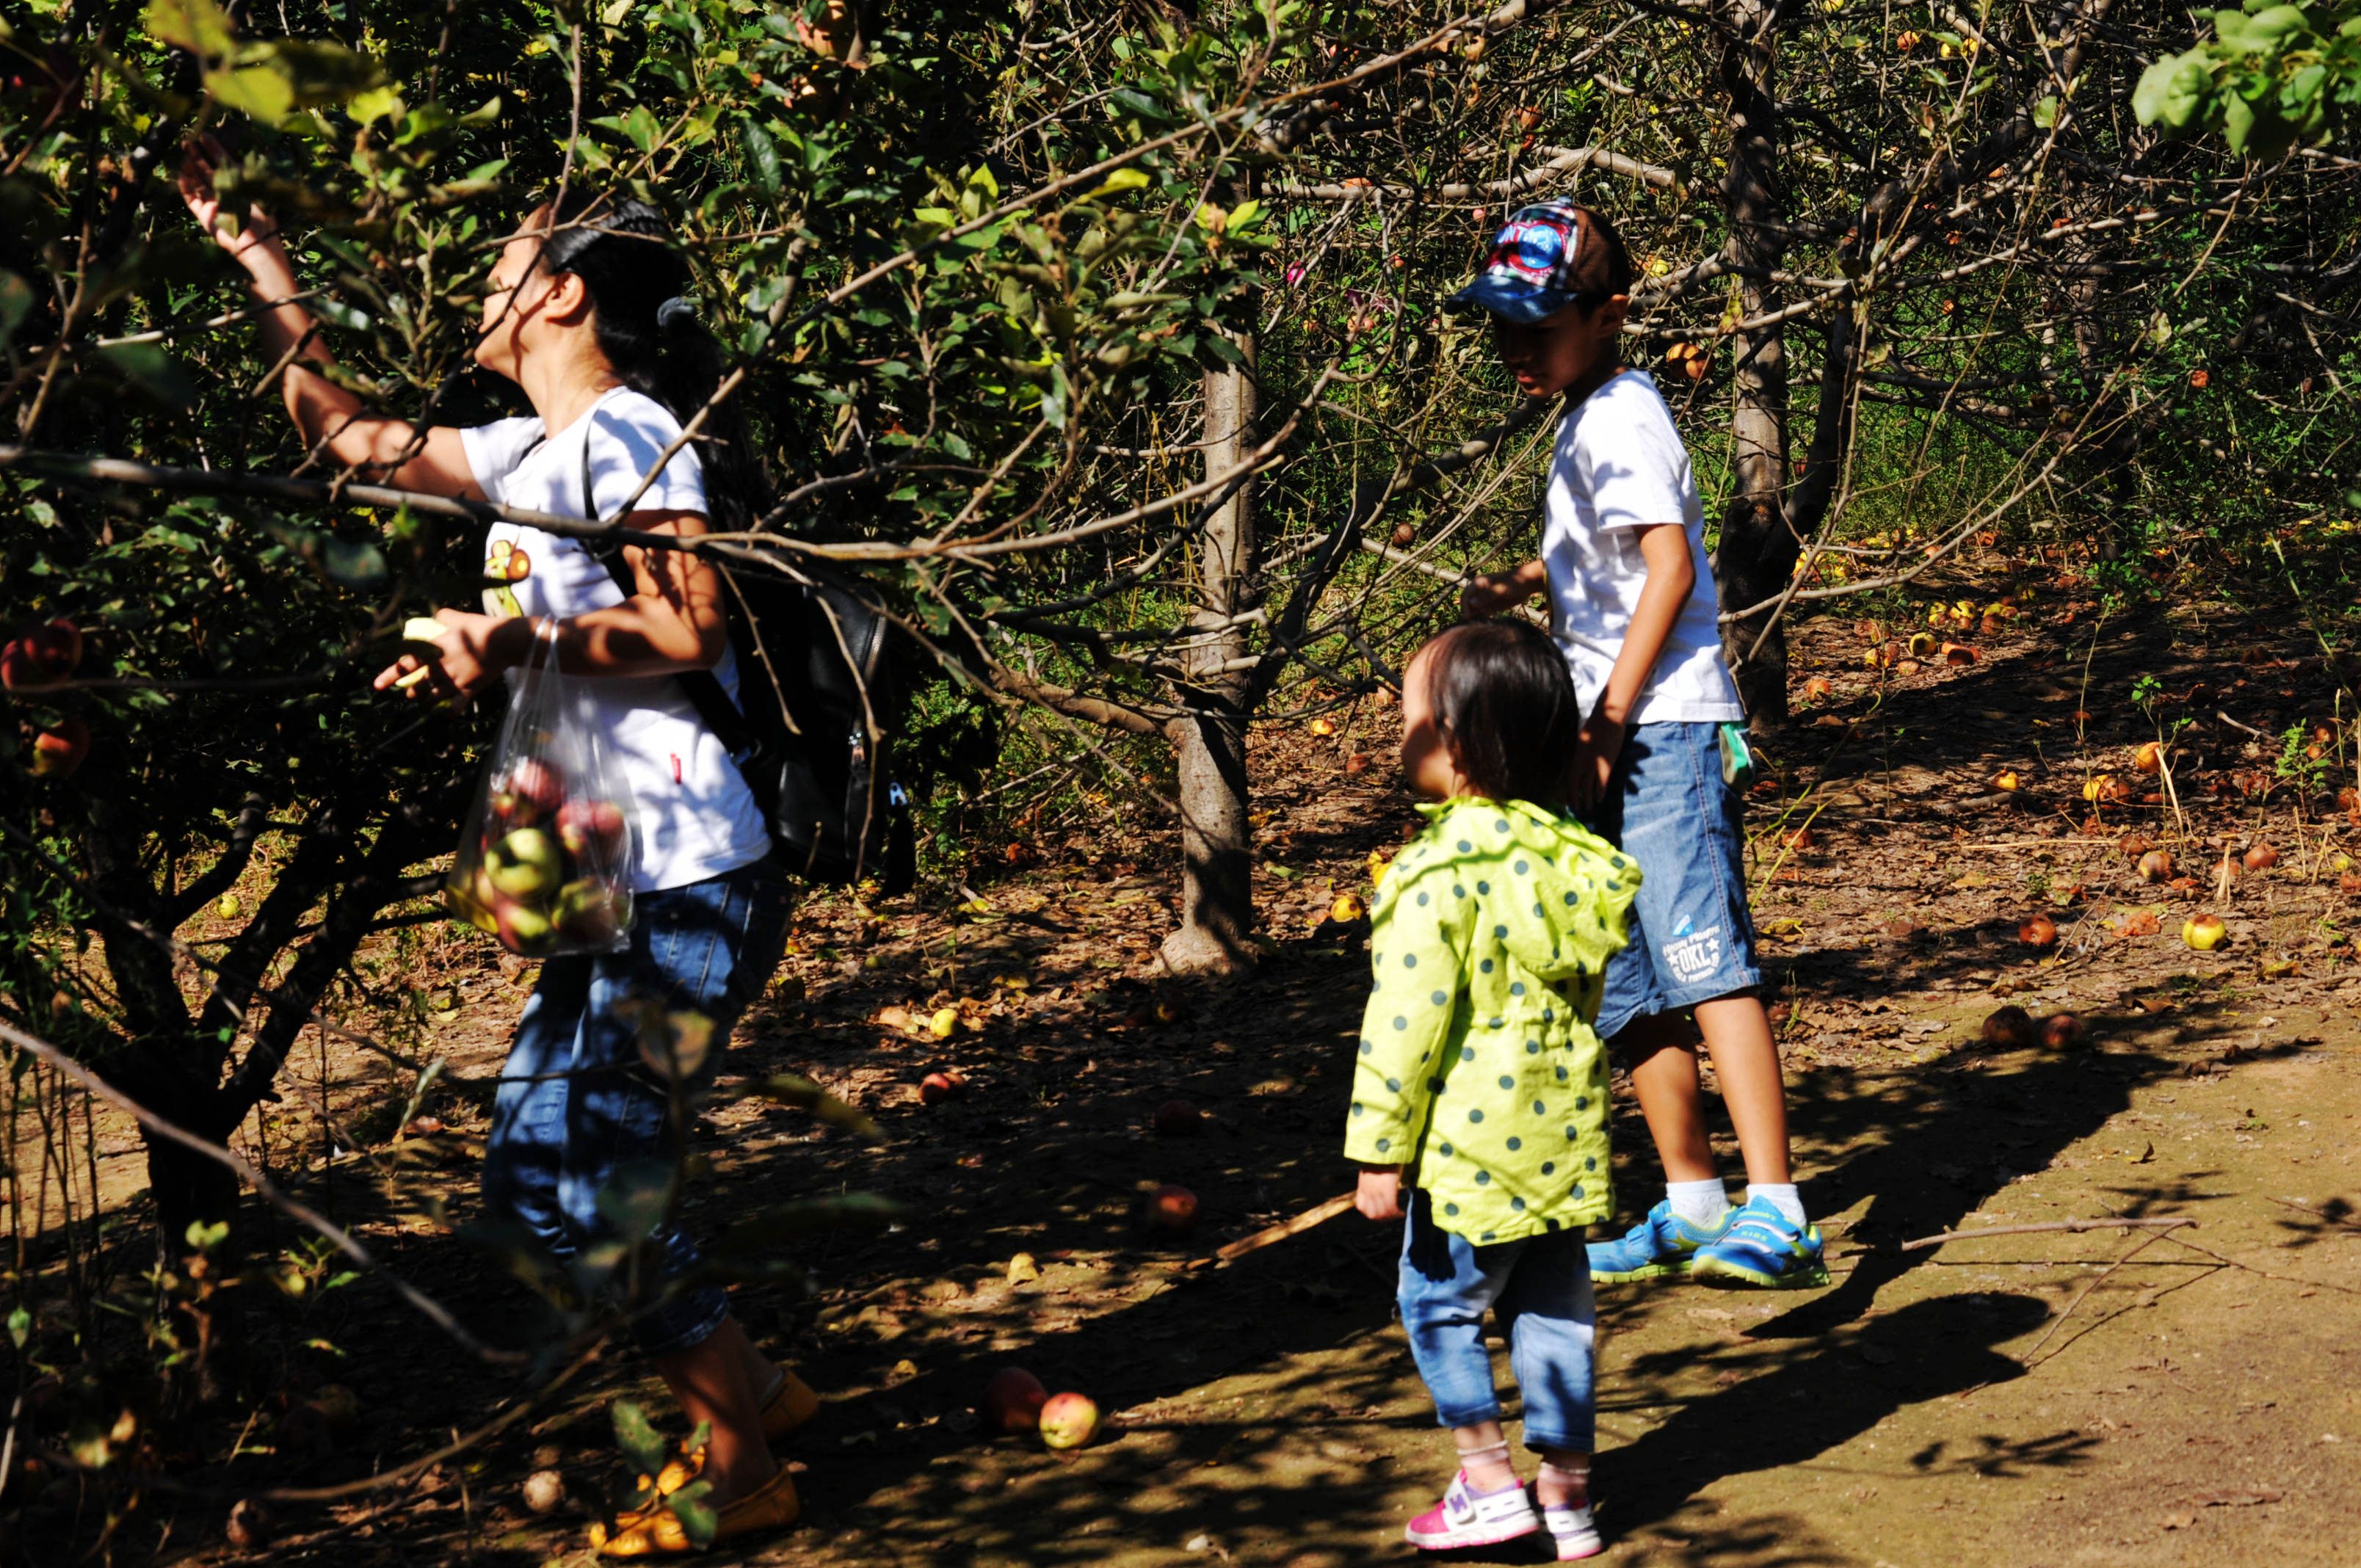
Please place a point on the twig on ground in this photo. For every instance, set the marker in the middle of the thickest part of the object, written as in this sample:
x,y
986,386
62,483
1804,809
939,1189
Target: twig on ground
x,y
2046,1226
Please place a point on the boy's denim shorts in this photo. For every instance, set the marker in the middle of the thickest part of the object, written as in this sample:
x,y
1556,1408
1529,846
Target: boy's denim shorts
x,y
577,1104
1691,939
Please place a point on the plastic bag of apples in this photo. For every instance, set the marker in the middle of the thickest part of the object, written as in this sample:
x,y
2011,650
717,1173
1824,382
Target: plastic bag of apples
x,y
547,860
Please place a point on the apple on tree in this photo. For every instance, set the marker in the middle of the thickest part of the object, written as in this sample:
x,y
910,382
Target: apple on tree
x,y
57,753
41,655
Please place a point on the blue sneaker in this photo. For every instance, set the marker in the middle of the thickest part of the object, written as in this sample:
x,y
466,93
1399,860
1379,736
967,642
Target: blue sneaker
x,y
1659,1246
1763,1249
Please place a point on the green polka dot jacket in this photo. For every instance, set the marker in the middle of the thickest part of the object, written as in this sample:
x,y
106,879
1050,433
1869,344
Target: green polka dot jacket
x,y
1477,1069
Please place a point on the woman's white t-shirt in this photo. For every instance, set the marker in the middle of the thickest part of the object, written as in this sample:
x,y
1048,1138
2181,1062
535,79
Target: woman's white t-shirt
x,y
697,817
1620,467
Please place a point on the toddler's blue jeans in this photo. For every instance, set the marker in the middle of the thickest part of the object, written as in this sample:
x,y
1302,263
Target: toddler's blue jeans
x,y
1539,1287
577,1102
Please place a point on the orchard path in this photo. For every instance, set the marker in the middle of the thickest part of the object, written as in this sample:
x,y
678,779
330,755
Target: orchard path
x,y
1965,1404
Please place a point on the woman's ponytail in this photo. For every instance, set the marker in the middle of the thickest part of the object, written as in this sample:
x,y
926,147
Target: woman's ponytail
x,y
649,329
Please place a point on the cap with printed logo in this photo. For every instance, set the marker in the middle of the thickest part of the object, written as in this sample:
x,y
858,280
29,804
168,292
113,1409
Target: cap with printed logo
x,y
1546,257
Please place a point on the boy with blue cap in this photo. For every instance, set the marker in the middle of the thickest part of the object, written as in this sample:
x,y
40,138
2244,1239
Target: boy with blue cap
x,y
1632,606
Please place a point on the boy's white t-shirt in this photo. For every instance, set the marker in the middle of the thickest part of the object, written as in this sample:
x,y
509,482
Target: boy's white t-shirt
x,y
1619,467
697,817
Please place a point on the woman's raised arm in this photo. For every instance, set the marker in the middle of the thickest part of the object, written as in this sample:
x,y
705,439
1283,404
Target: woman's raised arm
x,y
392,450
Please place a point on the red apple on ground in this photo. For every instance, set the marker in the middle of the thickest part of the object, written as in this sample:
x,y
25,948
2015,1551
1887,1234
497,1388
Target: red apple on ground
x,y
938,1087
2009,1028
41,655
2060,1030
1178,1119
2261,858
2155,866
2037,931
1069,1420
1172,1211
1012,1401
57,752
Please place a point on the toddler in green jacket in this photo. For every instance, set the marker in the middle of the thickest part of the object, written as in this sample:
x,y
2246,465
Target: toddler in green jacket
x,y
1479,1074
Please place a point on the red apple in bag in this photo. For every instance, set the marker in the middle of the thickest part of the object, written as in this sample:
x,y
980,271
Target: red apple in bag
x,y
592,831
529,793
523,929
586,912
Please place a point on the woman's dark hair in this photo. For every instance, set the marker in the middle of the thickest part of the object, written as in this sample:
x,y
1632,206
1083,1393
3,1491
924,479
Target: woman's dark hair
x,y
644,313
1506,706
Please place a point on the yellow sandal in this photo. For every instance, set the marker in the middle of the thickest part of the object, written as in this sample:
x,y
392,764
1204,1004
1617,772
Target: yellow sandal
x,y
655,1530
787,1405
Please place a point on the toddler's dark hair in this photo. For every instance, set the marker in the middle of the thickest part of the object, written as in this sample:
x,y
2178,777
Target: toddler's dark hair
x,y
1507,708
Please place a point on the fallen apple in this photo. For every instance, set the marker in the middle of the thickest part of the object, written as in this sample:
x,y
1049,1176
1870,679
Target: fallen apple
x,y
1359,762
2009,1028
1348,908
1378,866
2203,932
2062,1030
2135,844
2096,787
2261,858
1068,1421
2005,780
944,1023
1178,1119
1324,727
1172,1211
57,752
2155,866
544,1492
938,1087
1957,653
1922,644
1802,839
1818,689
591,831
2037,931
2149,758
1012,1400
228,906
524,862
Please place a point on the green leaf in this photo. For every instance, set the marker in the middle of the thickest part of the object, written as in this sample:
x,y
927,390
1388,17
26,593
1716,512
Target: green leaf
x,y
2044,113
21,1327
779,1223
147,368
792,1088
1121,180
198,26
639,1442
255,91
763,158
640,128
697,1518
637,1197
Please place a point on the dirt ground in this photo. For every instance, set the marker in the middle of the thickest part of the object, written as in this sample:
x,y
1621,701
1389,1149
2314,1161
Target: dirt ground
x,y
2039,1398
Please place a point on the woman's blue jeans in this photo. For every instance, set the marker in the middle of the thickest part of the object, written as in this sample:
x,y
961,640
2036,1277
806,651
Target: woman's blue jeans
x,y
577,1102
1539,1287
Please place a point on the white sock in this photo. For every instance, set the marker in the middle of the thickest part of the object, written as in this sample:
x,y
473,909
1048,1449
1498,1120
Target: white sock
x,y
1699,1203
1784,1197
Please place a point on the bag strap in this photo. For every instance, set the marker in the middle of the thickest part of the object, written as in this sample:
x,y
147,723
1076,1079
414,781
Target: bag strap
x,y
702,688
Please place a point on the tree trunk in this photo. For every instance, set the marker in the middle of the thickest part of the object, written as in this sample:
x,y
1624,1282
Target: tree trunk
x,y
1210,742
1758,549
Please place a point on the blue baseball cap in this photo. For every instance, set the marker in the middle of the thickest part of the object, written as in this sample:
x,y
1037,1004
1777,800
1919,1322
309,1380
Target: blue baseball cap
x,y
1546,257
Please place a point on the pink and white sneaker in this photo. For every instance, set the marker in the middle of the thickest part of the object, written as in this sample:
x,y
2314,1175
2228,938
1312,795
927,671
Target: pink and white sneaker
x,y
1465,1518
1572,1533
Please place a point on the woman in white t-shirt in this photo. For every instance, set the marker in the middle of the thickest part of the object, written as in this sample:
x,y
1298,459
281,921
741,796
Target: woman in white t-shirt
x,y
586,314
